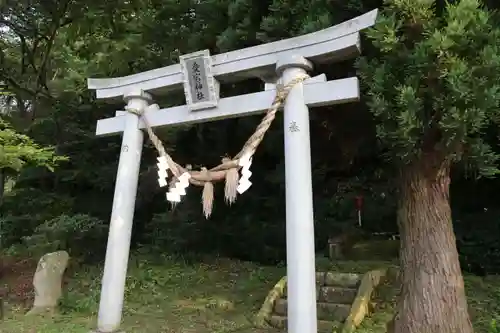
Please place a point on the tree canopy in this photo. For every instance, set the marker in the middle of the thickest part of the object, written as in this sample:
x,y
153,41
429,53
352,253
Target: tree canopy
x,y
435,85
18,150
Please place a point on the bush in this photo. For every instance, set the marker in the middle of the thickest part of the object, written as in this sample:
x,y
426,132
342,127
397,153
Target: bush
x,y
14,228
81,235
167,234
477,241
23,210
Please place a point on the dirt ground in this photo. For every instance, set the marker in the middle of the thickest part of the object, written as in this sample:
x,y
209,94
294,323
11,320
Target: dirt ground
x,y
16,281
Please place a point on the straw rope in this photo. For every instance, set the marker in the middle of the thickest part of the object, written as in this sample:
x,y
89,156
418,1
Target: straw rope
x,y
228,169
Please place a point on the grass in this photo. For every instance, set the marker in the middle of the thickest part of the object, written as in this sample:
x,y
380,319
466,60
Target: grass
x,y
216,296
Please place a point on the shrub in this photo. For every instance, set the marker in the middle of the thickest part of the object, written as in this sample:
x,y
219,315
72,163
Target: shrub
x,y
81,235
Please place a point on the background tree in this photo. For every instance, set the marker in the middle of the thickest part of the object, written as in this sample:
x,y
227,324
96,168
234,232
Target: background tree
x,y
434,88
18,150
119,38
115,38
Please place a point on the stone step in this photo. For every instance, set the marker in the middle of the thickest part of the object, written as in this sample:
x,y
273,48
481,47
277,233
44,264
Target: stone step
x,y
345,280
324,326
339,295
326,311
333,279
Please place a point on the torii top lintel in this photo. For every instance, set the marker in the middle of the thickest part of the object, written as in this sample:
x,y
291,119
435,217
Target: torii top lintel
x,y
332,44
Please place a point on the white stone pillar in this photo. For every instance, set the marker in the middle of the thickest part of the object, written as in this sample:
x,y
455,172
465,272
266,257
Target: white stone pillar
x,y
122,215
301,270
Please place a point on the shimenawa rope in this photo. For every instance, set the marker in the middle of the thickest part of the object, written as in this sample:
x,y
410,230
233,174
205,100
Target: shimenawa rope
x,y
228,169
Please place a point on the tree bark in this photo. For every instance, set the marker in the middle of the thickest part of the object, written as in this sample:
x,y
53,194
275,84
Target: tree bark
x,y
432,298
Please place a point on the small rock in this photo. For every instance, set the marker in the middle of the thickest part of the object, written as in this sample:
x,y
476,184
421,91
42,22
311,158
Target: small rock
x,y
48,282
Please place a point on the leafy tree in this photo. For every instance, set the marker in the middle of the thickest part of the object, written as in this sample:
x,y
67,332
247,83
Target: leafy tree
x,y
434,88
68,41
18,150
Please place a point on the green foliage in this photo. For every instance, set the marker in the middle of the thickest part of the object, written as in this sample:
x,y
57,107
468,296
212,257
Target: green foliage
x,y
76,40
494,326
14,227
82,296
53,47
81,235
18,150
162,295
478,247
260,236
25,209
433,83
168,294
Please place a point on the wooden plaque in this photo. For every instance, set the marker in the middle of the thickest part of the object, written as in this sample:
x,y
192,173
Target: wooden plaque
x,y
198,80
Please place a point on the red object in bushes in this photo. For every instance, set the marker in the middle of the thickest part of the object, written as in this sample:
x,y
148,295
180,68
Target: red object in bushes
x,y
359,202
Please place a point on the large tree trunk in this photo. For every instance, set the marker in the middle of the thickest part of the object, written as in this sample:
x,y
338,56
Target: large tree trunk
x,y
432,298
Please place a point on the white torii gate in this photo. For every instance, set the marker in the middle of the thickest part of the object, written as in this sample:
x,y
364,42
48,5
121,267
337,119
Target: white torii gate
x,y
277,62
